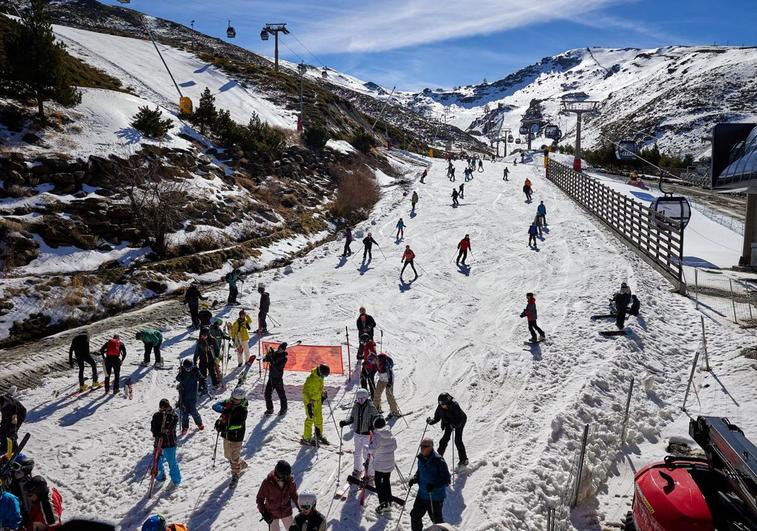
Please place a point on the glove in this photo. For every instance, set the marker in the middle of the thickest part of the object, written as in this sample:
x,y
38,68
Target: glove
x,y
429,420
268,518
412,481
522,314
343,423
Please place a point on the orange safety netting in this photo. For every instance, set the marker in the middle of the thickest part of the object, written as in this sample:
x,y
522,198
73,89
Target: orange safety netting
x,y
305,358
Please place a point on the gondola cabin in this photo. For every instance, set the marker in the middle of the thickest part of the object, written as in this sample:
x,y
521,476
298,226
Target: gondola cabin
x,y
230,31
669,208
510,139
553,132
626,150
264,35
524,130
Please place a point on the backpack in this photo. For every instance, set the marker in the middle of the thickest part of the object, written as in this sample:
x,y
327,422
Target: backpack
x,y
113,348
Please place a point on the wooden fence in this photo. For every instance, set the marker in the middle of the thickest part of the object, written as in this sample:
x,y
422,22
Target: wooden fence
x,y
634,222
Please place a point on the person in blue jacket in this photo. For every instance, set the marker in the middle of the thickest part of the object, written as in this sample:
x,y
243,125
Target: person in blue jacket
x,y
10,511
432,478
533,230
189,381
541,210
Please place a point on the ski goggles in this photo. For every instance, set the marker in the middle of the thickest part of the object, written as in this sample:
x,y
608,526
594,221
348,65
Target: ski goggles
x,y
305,506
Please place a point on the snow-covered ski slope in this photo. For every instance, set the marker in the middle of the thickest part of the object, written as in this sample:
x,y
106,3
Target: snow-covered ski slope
x,y
136,63
450,331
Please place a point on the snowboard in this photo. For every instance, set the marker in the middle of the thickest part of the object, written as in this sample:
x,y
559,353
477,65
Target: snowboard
x,y
603,316
352,480
612,333
530,343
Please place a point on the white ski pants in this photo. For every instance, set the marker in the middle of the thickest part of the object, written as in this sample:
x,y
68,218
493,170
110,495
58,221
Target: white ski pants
x,y
361,453
286,522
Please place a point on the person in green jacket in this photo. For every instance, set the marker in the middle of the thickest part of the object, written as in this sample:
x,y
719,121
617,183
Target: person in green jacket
x,y
152,340
313,396
232,278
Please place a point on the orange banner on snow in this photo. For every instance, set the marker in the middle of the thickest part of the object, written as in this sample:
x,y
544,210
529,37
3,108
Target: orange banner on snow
x,y
305,358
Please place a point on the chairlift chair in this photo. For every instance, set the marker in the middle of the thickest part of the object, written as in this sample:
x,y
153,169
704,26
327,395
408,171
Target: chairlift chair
x,y
230,31
626,150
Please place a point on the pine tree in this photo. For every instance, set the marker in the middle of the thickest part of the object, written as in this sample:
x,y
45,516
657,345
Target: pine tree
x,y
149,122
206,113
34,66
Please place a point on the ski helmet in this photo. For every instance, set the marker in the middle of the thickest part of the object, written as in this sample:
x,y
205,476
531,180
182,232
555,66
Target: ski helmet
x,y
324,370
379,423
445,398
218,322
23,463
154,523
238,393
307,500
261,288
164,404
283,346
204,331
187,364
362,396
283,469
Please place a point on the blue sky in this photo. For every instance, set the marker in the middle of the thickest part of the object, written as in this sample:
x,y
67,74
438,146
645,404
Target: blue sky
x,y
431,43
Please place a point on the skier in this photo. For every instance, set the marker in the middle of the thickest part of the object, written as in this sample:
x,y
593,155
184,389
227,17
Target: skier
x,y
158,523
400,229
505,173
231,425
163,428
533,230
192,298
368,366
189,379
313,396
232,277
530,314
452,418
480,165
114,353
452,173
381,449
432,478
385,368
80,349
466,174
204,315
265,306
277,360
424,175
347,242
240,334
527,190
368,243
21,474
461,192
13,415
361,418
541,210
464,247
218,335
538,223
515,161
276,495
205,359
622,299
309,518
10,511
408,257
45,506
365,324
414,200
454,198
152,339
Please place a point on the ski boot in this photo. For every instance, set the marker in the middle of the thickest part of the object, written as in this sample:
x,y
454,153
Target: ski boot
x,y
83,388
306,442
463,462
201,427
96,385
234,481
144,364
282,412
320,438
184,431
382,507
268,412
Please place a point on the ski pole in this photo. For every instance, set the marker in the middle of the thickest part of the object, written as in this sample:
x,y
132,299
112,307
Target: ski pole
x,y
454,443
381,341
426,272
399,520
382,252
349,356
274,320
215,449
331,412
399,473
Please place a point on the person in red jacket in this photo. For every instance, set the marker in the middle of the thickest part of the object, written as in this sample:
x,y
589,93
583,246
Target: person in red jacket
x,y
45,506
114,353
275,497
530,314
369,367
408,256
464,247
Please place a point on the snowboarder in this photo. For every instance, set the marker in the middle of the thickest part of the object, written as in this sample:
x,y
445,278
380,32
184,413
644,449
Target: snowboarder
x,y
464,247
361,418
414,200
432,478
114,354
309,518
533,231
400,230
368,243
530,314
381,448
12,416
461,191
622,299
454,198
205,359
189,379
408,257
541,211
385,370
192,298
369,366
232,277
527,190
240,334
265,306
158,523
231,425
205,316
80,349
347,242
453,418
505,174
365,324
163,428
152,339
313,396
424,175
276,495
277,360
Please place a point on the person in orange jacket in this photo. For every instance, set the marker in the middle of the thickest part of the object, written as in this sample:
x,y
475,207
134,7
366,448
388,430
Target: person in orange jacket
x,y
464,247
408,256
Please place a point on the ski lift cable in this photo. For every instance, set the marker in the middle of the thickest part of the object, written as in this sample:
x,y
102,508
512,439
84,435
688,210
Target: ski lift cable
x,y
317,60
281,41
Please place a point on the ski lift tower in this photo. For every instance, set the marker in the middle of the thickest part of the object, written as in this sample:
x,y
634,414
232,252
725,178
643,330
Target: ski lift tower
x,y
579,108
274,29
301,69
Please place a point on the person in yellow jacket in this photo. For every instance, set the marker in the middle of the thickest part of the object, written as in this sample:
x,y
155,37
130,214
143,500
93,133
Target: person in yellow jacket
x,y
240,335
313,396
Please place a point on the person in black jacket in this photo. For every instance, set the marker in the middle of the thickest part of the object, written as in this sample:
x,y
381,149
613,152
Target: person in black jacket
x,y
231,425
452,418
80,349
205,359
368,243
189,378
13,416
192,298
277,360
365,323
309,518
265,305
163,427
622,300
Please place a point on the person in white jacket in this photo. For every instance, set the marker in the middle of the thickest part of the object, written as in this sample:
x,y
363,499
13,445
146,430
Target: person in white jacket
x,y
381,448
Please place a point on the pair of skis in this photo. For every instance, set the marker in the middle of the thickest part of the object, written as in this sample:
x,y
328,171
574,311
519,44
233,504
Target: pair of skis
x,y
608,333
341,494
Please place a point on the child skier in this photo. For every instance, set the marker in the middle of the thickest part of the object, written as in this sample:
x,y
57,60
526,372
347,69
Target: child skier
x,y
361,418
400,230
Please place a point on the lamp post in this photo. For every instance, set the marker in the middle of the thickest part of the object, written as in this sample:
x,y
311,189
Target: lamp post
x,y
301,68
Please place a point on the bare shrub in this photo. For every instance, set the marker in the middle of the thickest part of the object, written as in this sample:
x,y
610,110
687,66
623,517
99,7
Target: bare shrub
x,y
357,190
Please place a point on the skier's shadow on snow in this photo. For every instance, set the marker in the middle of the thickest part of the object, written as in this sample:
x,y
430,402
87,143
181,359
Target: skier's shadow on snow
x,y
44,410
535,249
341,263
545,229
398,241
303,462
455,503
535,349
364,267
464,269
257,436
72,417
140,471
207,513
413,214
405,286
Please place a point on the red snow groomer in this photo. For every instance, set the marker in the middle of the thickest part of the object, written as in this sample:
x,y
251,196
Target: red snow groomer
x,y
714,493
